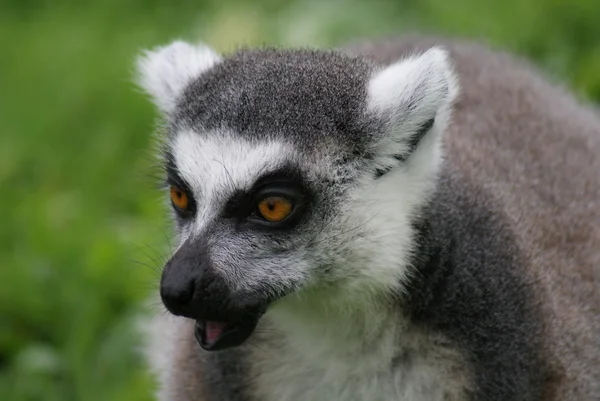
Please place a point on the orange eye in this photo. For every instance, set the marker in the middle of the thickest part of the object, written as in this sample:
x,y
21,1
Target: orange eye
x,y
274,208
179,198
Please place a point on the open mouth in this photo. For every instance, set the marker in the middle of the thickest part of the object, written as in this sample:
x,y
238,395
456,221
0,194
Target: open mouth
x,y
213,336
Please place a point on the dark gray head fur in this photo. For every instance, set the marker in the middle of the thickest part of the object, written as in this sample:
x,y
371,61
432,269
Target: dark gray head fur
x,y
305,96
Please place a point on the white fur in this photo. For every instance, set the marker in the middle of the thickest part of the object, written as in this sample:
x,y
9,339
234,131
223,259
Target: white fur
x,y
370,357
165,71
426,81
407,94
386,208
162,339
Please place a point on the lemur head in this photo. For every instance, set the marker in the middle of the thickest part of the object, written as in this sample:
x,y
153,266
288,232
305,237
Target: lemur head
x,y
291,173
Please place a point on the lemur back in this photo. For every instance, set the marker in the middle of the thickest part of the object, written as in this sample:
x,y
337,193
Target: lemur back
x,y
502,298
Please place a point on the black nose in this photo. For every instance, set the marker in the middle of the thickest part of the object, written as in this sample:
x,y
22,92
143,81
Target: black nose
x,y
191,287
180,278
177,291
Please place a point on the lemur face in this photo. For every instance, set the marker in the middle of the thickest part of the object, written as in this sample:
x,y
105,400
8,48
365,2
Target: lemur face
x,y
289,173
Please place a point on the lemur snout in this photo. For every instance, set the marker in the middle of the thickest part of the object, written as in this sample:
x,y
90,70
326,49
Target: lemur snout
x,y
191,288
177,293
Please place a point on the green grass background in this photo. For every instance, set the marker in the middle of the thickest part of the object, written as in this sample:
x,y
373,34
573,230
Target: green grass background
x,y
82,228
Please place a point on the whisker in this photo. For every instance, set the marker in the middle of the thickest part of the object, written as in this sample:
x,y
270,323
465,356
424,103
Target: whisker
x,y
170,245
157,307
141,249
227,172
162,259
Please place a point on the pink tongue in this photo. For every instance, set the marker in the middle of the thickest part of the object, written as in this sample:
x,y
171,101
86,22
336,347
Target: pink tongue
x,y
214,330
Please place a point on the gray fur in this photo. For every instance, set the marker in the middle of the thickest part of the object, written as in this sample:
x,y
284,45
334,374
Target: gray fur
x,y
502,300
317,92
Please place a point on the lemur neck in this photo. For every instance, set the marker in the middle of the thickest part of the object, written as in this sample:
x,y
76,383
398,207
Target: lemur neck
x,y
346,331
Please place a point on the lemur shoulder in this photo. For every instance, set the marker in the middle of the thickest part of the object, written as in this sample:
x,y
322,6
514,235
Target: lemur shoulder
x,y
412,219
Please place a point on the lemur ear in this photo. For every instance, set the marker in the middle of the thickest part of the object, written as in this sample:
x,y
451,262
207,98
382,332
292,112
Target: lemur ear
x,y
164,72
412,96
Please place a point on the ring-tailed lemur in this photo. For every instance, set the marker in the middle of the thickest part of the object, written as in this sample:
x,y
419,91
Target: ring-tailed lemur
x,y
411,220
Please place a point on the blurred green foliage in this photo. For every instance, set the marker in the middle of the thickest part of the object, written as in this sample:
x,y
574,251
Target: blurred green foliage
x,y
82,228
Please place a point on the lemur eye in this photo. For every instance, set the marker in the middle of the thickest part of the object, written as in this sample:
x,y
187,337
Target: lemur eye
x,y
179,198
274,208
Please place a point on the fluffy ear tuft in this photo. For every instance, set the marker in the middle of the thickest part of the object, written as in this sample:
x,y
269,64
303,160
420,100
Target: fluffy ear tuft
x,y
410,96
164,72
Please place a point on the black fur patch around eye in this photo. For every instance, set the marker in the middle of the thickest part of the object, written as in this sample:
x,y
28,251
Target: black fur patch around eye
x,y
238,205
412,146
286,180
173,178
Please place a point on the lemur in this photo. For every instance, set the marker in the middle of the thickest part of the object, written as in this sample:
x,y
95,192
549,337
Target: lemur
x,y
411,219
